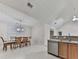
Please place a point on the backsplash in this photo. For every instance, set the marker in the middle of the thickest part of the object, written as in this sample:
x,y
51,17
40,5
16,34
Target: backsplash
x,y
74,38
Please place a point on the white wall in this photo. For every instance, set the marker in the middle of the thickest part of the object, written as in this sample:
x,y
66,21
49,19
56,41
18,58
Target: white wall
x,y
38,34
3,28
70,27
46,33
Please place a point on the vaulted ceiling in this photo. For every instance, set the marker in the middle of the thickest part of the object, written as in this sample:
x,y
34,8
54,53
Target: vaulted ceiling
x,y
45,10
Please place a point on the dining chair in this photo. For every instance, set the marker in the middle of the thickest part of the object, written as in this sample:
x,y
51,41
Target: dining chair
x,y
18,41
29,40
24,41
6,44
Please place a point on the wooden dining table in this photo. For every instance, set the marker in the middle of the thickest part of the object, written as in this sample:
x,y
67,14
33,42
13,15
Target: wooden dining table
x,y
21,41
13,43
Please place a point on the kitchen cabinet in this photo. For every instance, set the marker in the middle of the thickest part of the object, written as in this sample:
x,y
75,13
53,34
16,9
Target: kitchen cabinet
x,y
68,50
63,50
73,51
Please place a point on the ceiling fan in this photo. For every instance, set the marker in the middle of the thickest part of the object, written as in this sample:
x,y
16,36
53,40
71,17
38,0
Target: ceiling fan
x,y
75,18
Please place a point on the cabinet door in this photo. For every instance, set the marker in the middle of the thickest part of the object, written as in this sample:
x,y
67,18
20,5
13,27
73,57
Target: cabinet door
x,y
63,50
73,51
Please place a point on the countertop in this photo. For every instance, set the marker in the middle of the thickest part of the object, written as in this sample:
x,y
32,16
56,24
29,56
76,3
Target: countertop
x,y
65,41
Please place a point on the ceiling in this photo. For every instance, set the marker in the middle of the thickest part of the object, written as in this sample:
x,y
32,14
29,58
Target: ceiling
x,y
45,10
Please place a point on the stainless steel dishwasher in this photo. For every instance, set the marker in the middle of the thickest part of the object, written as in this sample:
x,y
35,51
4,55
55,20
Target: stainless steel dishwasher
x,y
53,47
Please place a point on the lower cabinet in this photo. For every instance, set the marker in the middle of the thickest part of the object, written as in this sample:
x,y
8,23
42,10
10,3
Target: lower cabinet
x,y
68,51
73,51
63,50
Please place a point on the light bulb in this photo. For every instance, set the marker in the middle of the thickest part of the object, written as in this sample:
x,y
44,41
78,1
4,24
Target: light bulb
x,y
18,29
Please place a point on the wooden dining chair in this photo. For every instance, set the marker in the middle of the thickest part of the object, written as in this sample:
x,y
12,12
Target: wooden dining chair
x,y
24,41
29,40
18,41
6,44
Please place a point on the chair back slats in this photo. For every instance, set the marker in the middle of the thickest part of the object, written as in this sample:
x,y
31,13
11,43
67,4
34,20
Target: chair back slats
x,y
2,39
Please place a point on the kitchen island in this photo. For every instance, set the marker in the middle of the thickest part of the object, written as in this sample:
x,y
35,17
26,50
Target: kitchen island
x,y
63,48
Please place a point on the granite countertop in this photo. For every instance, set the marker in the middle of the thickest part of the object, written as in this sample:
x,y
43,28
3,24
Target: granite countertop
x,y
65,41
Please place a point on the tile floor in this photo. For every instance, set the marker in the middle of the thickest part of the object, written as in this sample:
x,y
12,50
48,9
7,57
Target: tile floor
x,y
32,52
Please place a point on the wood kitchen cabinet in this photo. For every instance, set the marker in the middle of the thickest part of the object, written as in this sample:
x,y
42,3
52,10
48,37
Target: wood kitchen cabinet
x,y
68,50
73,51
63,50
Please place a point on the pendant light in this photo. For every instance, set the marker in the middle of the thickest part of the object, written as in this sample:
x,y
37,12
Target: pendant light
x,y
20,27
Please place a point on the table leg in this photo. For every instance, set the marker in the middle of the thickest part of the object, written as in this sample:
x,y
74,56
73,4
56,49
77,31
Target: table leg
x,y
10,46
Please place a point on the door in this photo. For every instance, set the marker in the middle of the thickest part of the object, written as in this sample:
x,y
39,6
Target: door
x,y
63,50
73,51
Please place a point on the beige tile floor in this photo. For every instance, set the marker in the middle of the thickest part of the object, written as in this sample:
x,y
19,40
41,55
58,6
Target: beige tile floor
x,y
32,52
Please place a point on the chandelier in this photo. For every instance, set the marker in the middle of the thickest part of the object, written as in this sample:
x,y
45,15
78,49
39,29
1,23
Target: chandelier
x,y
20,27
